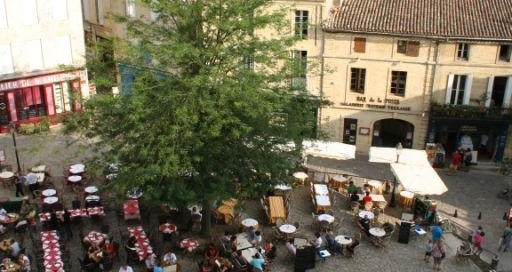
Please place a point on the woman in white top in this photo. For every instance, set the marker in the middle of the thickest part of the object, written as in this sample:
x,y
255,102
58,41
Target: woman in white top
x,y
169,258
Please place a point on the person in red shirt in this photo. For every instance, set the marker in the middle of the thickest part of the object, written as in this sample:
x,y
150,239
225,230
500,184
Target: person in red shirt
x,y
456,161
367,198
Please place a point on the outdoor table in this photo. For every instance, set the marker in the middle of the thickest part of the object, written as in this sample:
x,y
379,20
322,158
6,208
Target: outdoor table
x,y
49,192
343,240
375,197
406,198
167,228
91,198
38,169
376,185
77,168
131,209
242,242
321,189
95,238
51,251
377,232
142,246
250,222
189,244
368,214
226,212
111,176
300,242
6,175
326,217
283,187
91,189
50,200
248,253
75,179
322,203
47,216
95,211
134,193
337,181
277,209
9,218
77,212
300,176
287,229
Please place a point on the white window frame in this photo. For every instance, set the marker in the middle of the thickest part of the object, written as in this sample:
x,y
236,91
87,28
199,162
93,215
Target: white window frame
x,y
506,96
301,23
463,51
467,88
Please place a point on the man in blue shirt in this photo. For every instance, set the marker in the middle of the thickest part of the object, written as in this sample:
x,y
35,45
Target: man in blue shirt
x,y
437,232
257,262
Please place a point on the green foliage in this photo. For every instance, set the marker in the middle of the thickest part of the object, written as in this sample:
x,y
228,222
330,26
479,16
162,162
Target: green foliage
x,y
199,125
470,112
101,66
28,129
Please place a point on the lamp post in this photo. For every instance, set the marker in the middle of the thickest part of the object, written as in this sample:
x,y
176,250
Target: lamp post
x,y
12,128
399,150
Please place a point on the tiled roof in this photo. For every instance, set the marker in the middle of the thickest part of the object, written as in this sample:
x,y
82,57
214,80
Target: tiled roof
x,y
487,19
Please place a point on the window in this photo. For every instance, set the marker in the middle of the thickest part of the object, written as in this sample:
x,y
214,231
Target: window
x,y
463,51
357,78
30,102
359,45
130,8
458,89
409,48
300,69
504,53
301,24
398,81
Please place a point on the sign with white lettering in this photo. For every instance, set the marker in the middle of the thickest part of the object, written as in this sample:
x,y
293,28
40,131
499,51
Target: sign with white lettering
x,y
38,80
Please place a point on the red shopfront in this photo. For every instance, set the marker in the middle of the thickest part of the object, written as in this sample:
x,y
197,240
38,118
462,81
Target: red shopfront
x,y
32,99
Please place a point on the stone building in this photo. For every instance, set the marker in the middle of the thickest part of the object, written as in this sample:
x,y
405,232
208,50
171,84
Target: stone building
x,y
42,59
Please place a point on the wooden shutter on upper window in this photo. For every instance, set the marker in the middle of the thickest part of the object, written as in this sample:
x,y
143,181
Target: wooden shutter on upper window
x,y
413,49
359,45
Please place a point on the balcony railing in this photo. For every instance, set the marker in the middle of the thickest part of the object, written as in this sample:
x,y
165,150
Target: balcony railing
x,y
470,112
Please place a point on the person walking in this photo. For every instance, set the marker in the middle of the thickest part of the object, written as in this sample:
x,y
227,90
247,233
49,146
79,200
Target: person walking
x,y
438,253
505,238
66,222
428,251
456,161
19,180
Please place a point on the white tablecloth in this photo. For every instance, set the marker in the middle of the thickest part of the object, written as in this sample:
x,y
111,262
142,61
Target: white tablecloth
x,y
75,178
321,189
369,214
326,217
49,192
51,200
249,222
322,200
287,228
300,175
343,240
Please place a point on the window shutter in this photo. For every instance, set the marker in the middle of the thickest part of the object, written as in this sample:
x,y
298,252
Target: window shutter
x,y
508,92
467,89
359,45
448,89
413,49
488,93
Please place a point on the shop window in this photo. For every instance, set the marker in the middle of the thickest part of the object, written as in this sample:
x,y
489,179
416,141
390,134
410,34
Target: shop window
x,y
62,97
408,48
30,103
4,113
357,79
398,82
359,45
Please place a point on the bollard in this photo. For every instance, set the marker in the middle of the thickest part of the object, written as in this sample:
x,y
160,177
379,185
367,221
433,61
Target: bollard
x,y
494,262
455,214
479,216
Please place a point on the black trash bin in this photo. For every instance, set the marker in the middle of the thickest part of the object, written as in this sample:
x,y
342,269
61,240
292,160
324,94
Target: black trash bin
x,y
404,233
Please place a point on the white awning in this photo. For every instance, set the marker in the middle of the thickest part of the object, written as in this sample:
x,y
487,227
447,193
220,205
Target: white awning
x,y
331,150
419,179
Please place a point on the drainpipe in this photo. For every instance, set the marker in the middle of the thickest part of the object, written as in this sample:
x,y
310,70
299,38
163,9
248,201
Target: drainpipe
x,y
322,46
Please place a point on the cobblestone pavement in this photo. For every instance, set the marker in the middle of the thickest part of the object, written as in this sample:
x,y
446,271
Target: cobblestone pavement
x,y
469,193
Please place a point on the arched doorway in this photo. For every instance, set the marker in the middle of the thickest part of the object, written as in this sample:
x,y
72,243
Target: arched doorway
x,y
390,132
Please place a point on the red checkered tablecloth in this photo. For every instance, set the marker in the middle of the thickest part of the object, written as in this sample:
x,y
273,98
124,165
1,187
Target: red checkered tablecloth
x,y
77,212
142,245
51,251
46,216
96,211
167,228
95,237
189,244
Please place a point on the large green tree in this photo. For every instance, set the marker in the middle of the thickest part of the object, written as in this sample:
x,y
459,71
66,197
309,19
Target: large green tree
x,y
200,123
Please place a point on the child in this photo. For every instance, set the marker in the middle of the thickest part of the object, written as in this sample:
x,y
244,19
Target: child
x,y
428,251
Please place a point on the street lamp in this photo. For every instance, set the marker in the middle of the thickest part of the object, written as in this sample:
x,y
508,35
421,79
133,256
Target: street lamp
x,y
12,128
399,149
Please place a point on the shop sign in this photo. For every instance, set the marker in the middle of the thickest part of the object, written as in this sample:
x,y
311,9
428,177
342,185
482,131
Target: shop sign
x,y
377,103
38,80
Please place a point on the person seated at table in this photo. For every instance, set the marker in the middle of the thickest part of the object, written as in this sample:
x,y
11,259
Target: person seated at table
x,y
251,233
14,248
157,267
211,253
239,259
332,245
258,263
150,262
270,250
194,211
109,248
291,247
3,211
131,251
367,198
365,223
351,247
258,238
95,253
317,243
232,243
388,228
24,262
169,258
351,189
226,237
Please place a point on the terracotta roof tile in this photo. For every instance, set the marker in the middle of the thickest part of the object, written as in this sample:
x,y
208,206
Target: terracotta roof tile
x,y
488,19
